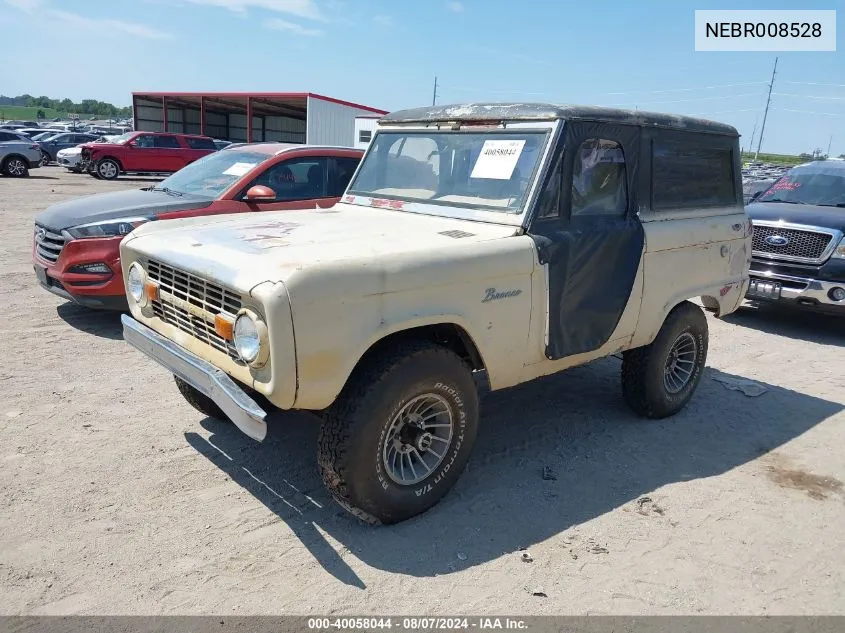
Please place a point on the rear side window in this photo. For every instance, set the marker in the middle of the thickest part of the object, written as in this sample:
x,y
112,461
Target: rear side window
x,y
168,142
6,136
201,143
599,180
344,168
691,174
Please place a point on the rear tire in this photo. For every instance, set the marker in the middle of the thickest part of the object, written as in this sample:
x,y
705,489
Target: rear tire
x,y
397,438
199,401
659,379
16,167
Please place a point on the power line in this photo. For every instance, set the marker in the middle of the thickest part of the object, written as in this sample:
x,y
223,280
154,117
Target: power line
x,y
810,112
747,94
793,94
813,83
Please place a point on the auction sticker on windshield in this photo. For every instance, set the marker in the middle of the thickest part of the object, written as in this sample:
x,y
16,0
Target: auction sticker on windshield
x,y
497,159
239,169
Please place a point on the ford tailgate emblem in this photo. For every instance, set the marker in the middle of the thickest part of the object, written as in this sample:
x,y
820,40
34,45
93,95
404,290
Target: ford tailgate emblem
x,y
776,240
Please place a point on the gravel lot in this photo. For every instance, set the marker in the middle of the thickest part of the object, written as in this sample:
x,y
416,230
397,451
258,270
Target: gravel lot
x,y
118,498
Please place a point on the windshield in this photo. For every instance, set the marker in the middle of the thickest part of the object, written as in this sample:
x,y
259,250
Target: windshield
x,y
819,184
45,136
213,174
489,170
119,140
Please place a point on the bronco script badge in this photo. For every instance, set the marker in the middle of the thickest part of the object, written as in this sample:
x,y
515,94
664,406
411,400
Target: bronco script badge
x,y
491,294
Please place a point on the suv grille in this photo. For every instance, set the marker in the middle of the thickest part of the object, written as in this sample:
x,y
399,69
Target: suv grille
x,y
209,297
48,244
804,244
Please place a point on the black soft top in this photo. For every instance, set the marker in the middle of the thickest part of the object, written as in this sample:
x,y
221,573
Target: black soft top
x,y
551,112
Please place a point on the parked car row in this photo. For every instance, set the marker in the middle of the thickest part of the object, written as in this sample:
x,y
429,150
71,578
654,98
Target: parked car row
x,y
475,247
75,249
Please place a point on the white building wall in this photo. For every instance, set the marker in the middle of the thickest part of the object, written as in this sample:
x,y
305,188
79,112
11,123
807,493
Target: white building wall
x,y
365,129
332,123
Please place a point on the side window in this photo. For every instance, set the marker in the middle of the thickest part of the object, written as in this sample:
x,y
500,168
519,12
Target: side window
x,y
690,174
145,141
201,143
599,180
344,168
296,179
548,204
6,136
167,142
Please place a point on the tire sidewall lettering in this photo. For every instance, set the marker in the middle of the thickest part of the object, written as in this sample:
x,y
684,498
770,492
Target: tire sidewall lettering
x,y
433,481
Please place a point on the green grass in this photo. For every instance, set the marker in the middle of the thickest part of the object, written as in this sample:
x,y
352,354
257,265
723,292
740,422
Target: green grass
x,y
10,113
773,159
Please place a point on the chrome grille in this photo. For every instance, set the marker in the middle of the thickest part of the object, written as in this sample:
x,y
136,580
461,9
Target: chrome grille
x,y
804,245
48,244
209,297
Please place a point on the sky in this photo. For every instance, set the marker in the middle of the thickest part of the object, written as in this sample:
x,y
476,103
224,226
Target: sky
x,y
386,54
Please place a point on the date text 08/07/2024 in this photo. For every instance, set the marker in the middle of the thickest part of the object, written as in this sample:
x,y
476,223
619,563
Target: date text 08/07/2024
x,y
415,623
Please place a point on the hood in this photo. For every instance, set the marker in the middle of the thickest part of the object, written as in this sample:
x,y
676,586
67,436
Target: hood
x,y
827,217
115,205
244,250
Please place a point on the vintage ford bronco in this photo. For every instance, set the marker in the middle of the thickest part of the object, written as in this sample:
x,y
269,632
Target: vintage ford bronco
x,y
477,247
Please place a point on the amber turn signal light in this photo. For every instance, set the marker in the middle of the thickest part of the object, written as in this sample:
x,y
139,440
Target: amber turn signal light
x,y
224,325
151,291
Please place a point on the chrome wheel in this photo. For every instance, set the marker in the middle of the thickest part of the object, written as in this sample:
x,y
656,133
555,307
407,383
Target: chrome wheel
x,y
15,167
417,439
680,363
107,169
45,159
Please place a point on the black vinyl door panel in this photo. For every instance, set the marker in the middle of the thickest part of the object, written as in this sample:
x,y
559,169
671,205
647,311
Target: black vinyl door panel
x,y
593,249
591,273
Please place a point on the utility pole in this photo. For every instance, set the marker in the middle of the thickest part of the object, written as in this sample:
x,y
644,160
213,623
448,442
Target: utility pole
x,y
829,143
753,132
434,95
766,112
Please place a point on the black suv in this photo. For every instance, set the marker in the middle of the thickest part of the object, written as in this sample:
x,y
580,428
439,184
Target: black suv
x,y
798,253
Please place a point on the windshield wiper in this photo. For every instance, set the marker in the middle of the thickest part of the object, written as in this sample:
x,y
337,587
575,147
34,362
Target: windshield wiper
x,y
169,191
835,204
780,200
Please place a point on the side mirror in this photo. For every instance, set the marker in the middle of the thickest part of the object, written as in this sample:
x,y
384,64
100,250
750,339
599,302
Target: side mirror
x,y
260,193
756,195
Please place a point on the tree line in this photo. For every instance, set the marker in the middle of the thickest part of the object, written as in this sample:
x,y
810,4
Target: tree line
x,y
66,106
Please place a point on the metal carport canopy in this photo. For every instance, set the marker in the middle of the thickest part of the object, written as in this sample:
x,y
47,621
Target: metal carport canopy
x,y
287,104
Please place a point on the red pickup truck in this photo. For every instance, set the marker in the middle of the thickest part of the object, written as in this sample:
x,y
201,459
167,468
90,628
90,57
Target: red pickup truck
x,y
144,152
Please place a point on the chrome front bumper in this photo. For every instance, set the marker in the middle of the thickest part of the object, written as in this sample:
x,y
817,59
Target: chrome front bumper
x,y
205,377
800,289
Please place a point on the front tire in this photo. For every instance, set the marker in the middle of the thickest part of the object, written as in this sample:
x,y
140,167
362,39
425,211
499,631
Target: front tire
x,y
199,401
45,159
15,167
108,169
659,379
400,434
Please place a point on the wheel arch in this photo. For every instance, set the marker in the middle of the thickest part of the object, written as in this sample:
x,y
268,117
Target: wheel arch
x,y
450,333
110,157
12,155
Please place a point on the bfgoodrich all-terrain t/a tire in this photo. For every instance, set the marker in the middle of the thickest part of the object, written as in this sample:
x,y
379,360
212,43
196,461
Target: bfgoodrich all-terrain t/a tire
x,y
199,401
659,379
399,435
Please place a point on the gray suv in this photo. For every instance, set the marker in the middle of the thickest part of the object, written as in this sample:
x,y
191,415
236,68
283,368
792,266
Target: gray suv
x,y
18,154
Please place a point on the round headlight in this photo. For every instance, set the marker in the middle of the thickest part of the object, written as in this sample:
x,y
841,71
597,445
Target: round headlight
x,y
135,282
246,338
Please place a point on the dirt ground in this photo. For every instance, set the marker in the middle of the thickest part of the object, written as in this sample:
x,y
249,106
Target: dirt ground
x,y
118,498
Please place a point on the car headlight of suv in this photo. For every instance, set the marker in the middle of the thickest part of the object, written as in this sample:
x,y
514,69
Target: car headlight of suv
x,y
839,251
250,338
107,228
135,280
